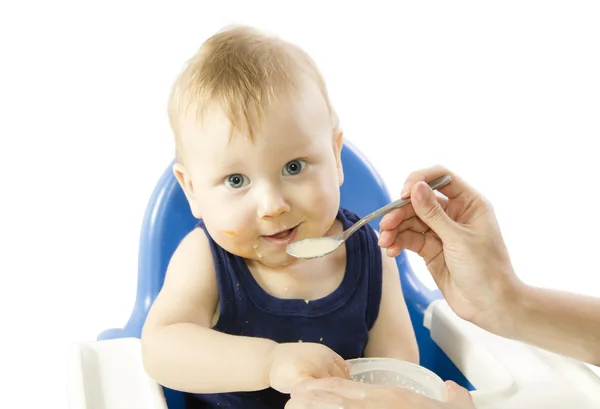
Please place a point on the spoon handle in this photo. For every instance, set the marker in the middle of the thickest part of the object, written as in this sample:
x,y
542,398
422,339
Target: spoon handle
x,y
434,184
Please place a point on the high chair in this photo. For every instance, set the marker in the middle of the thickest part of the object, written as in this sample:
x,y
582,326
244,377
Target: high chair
x,y
108,373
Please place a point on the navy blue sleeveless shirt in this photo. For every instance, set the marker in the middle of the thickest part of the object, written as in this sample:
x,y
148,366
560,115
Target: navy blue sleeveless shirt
x,y
340,320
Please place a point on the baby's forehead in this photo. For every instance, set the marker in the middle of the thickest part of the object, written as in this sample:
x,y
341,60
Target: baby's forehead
x,y
217,134
211,130
214,154
292,120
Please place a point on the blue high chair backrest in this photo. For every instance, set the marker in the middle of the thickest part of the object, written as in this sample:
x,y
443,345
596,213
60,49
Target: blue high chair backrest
x,y
168,219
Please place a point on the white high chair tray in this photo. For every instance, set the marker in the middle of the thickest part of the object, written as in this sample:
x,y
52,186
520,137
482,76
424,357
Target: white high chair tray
x,y
507,374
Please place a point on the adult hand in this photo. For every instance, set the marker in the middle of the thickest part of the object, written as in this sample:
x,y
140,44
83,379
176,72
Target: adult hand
x,y
336,393
459,239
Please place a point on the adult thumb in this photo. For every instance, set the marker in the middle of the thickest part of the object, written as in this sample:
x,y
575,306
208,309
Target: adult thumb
x,y
430,211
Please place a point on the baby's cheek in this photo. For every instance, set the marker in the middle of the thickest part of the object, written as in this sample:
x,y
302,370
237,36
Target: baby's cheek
x,y
325,207
234,242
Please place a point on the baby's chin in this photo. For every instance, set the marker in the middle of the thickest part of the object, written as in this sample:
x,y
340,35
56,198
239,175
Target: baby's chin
x,y
272,264
255,254
273,259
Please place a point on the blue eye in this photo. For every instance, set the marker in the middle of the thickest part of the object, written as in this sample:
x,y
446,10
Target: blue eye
x,y
293,167
236,181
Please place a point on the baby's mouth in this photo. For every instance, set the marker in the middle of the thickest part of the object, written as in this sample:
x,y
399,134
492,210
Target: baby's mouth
x,y
281,234
282,238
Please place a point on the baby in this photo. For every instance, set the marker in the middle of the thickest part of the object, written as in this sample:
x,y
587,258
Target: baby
x,y
239,322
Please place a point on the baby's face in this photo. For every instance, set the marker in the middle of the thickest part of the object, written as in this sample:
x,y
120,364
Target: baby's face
x,y
257,197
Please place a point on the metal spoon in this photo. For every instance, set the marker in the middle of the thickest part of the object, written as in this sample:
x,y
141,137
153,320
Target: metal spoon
x,y
321,246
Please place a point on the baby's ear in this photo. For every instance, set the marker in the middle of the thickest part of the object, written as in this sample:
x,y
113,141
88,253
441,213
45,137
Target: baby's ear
x,y
185,181
338,141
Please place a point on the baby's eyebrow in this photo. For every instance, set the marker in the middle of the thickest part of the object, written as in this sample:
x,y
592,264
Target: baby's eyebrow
x,y
229,167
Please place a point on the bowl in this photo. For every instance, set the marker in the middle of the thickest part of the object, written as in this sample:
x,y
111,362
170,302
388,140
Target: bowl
x,y
397,373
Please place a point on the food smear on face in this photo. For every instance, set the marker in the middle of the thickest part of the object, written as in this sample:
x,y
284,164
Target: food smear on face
x,y
258,253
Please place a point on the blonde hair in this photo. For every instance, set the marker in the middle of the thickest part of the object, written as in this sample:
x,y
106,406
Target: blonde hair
x,y
243,71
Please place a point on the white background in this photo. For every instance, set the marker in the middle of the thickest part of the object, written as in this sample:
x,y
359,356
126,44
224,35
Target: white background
x,y
506,94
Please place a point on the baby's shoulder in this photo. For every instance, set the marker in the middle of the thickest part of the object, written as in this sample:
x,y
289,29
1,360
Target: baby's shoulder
x,y
193,257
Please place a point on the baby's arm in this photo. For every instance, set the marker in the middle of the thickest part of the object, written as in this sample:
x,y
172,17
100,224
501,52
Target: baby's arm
x,y
180,350
392,336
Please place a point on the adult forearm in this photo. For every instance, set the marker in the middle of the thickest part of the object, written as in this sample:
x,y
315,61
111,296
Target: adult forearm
x,y
194,359
558,321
